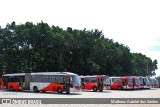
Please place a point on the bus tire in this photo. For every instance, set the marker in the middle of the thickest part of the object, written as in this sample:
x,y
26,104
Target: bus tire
x,y
100,90
67,92
11,88
59,90
119,88
35,89
43,91
94,89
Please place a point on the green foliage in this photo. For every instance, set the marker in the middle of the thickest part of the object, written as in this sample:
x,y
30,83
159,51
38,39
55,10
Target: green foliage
x,y
158,78
41,48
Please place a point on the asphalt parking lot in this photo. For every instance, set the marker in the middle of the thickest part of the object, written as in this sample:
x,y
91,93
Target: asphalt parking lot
x,y
147,93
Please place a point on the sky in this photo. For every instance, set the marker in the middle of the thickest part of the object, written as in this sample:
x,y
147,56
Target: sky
x,y
134,23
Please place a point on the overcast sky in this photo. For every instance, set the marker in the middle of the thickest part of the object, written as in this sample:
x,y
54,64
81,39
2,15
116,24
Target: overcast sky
x,y
134,23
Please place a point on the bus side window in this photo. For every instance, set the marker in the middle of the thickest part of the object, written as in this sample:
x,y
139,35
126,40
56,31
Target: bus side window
x,y
32,78
45,78
86,79
93,79
51,78
59,79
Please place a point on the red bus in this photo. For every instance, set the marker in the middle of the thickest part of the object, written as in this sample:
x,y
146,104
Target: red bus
x,y
42,81
119,83
136,82
154,82
94,83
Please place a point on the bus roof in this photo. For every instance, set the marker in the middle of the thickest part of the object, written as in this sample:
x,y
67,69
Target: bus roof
x,y
53,73
114,77
41,73
15,74
81,76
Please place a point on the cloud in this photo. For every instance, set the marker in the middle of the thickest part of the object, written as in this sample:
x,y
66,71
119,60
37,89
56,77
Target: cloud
x,y
155,48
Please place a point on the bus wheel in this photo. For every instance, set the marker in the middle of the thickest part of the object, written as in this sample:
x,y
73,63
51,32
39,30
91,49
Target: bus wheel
x,y
100,90
43,91
94,89
67,92
119,88
59,90
11,88
35,89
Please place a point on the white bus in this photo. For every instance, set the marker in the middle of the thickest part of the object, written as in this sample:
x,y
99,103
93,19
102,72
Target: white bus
x,y
42,81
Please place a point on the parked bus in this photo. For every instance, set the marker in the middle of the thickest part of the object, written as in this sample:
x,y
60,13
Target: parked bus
x,y
119,83
115,83
127,82
94,83
154,82
146,83
42,81
151,82
136,82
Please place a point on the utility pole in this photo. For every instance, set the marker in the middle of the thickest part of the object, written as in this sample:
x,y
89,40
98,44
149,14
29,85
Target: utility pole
x,y
147,67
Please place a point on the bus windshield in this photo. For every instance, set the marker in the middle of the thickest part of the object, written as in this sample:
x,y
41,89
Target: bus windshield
x,y
146,81
76,80
141,80
137,81
106,81
115,79
130,81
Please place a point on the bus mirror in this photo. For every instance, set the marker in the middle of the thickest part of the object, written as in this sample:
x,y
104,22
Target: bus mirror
x,y
71,79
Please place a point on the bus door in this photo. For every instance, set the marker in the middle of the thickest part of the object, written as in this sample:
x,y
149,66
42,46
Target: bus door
x,y
124,83
67,84
27,80
21,82
82,83
100,84
5,85
134,82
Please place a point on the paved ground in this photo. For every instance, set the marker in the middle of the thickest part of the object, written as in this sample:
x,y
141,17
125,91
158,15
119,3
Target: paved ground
x,y
152,93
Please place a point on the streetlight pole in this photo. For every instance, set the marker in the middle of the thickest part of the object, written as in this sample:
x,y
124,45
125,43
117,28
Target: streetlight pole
x,y
147,67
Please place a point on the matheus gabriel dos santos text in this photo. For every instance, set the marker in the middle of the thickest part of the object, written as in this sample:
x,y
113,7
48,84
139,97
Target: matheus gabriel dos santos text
x,y
134,102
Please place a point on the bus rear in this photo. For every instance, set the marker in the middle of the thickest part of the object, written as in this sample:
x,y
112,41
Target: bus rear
x,y
13,82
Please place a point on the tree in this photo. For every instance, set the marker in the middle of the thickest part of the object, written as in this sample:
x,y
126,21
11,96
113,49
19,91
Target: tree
x,y
40,48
